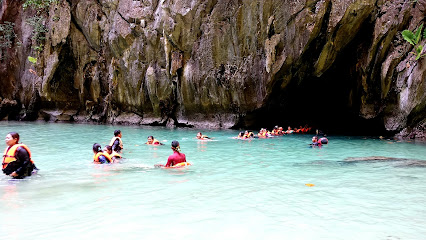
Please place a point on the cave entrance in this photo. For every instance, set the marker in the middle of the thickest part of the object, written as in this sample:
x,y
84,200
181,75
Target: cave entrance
x,y
331,102
61,90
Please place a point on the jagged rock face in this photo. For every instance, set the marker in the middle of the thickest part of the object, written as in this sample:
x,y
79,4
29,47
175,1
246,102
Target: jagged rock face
x,y
339,65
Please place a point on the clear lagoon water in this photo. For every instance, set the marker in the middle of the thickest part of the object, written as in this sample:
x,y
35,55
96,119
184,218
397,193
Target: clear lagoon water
x,y
235,189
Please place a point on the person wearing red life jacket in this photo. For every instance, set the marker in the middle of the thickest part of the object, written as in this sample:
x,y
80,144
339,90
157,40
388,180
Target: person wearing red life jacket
x,y
152,141
17,161
177,156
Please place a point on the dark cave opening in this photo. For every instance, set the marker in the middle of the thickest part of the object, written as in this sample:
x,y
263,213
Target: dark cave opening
x,y
61,87
330,103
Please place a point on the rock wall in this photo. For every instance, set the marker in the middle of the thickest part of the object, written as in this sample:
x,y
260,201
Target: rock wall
x,y
340,65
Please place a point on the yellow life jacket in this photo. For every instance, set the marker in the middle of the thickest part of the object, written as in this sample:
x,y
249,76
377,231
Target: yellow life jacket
x,y
113,140
154,142
9,154
97,155
115,154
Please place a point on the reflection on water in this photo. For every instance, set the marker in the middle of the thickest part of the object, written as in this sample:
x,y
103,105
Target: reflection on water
x,y
235,189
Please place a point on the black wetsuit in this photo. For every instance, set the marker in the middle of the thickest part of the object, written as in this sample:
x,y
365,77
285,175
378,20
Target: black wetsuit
x,y
116,146
22,166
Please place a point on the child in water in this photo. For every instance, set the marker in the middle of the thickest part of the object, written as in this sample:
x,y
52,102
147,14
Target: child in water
x,y
100,157
201,136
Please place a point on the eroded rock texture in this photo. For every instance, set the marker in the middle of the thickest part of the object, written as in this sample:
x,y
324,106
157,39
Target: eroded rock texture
x,y
340,65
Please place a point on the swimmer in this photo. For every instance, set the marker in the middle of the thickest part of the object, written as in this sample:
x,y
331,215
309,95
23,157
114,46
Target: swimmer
x,y
100,157
176,158
201,136
248,134
113,155
289,130
116,142
153,141
241,135
315,142
299,130
306,129
263,133
276,131
17,161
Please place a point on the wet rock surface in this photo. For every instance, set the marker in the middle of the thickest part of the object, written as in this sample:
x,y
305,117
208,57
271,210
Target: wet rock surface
x,y
341,66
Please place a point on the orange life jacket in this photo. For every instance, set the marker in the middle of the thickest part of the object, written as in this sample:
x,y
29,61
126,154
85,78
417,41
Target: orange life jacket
x,y
115,154
96,157
9,154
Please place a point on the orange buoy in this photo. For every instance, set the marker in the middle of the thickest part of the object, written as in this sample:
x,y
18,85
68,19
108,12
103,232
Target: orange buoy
x,y
309,184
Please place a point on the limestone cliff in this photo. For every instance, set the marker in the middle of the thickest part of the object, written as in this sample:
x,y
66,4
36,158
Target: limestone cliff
x,y
340,65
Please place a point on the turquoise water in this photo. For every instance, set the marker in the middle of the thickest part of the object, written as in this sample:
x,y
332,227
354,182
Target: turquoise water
x,y
234,190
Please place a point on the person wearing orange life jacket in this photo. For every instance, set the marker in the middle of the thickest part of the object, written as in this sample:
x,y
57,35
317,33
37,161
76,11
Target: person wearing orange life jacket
x,y
116,143
241,136
152,141
115,157
248,134
100,157
276,131
17,161
281,131
299,130
263,133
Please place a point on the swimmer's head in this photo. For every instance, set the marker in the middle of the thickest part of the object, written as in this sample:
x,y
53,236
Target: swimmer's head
x,y
12,138
117,133
108,149
97,148
175,146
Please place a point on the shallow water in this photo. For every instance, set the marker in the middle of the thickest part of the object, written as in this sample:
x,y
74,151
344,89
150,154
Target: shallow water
x,y
235,189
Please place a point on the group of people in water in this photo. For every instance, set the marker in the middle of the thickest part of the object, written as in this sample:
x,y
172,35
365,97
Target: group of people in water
x,y
17,161
111,153
278,131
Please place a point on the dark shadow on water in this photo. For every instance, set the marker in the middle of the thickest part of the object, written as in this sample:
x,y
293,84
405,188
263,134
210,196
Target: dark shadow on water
x,y
401,162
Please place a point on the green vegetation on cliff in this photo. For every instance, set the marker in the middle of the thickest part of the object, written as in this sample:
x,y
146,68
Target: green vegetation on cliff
x,y
414,39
